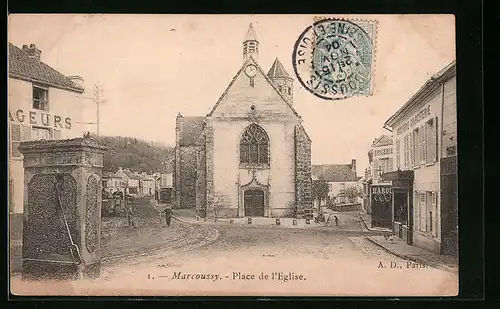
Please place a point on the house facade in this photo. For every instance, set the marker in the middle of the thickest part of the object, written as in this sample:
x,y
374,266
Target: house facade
x,y
381,157
250,156
424,187
379,199
111,183
339,177
147,184
42,104
130,181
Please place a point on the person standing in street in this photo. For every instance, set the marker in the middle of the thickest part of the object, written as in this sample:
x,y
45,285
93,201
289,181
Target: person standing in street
x,y
168,215
130,213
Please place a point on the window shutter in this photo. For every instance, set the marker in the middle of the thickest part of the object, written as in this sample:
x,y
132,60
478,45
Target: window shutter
x,y
416,148
416,210
15,135
423,148
398,150
423,216
434,213
26,133
436,140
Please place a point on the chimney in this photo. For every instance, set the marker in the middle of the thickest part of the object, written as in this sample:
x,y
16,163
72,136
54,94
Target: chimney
x,y
32,51
353,166
120,169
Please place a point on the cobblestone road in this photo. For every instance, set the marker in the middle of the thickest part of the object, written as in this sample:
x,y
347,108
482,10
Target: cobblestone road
x,y
150,238
331,262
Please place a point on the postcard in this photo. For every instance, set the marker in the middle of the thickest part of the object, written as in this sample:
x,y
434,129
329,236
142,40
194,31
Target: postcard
x,y
232,155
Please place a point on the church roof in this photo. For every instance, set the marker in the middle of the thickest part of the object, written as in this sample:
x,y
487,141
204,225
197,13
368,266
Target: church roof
x,y
251,60
191,129
277,70
334,172
251,35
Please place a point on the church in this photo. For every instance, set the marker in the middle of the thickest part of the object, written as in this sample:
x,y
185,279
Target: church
x,y
249,156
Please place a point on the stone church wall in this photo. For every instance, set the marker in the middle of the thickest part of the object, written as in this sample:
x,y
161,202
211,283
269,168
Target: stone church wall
x,y
188,166
201,169
303,181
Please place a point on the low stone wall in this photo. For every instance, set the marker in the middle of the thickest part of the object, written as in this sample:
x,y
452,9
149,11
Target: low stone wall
x,y
347,207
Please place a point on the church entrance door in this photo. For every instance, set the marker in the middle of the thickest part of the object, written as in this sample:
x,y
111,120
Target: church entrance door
x,y
254,203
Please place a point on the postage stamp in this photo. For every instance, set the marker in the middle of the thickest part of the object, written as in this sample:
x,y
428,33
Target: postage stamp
x,y
333,58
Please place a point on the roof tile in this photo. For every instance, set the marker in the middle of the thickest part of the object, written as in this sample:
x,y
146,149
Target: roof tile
x,y
278,71
22,66
334,172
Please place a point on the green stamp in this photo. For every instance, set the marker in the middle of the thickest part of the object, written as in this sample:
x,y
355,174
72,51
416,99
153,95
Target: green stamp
x,y
333,58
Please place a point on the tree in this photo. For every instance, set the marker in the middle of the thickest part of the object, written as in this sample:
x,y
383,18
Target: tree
x,y
352,193
320,189
134,154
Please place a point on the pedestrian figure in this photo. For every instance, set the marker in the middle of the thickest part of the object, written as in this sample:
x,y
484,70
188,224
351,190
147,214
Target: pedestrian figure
x,y
168,215
130,215
336,220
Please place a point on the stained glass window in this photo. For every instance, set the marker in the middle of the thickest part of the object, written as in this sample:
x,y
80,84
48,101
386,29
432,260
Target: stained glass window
x,y
254,145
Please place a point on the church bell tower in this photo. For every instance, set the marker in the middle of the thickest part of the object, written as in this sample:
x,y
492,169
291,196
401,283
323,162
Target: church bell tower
x,y
281,80
250,44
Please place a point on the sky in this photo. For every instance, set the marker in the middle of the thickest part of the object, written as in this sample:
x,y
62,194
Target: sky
x,y
152,67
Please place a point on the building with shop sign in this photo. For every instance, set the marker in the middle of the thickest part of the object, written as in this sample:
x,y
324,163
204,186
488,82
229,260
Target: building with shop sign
x,y
380,161
42,104
424,185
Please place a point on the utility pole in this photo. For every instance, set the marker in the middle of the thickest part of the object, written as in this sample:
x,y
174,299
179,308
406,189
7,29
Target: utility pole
x,y
98,93
98,100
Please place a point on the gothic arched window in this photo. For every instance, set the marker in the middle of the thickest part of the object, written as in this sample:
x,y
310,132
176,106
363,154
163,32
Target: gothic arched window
x,y
254,145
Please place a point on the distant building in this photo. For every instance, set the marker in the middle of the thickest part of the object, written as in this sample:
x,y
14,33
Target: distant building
x,y
164,183
42,104
130,181
147,184
111,183
381,157
424,188
339,178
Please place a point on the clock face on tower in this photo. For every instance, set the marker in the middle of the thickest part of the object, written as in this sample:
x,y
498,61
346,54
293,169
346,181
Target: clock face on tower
x,y
251,70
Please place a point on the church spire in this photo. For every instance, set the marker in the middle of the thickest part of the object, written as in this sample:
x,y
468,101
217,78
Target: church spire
x,y
250,44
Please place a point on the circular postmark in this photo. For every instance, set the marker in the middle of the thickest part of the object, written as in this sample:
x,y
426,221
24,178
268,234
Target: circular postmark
x,y
333,59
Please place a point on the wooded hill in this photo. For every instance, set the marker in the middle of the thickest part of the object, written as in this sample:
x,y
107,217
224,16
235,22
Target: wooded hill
x,y
135,154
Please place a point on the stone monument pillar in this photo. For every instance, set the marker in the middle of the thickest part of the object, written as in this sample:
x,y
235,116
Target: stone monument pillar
x,y
62,208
